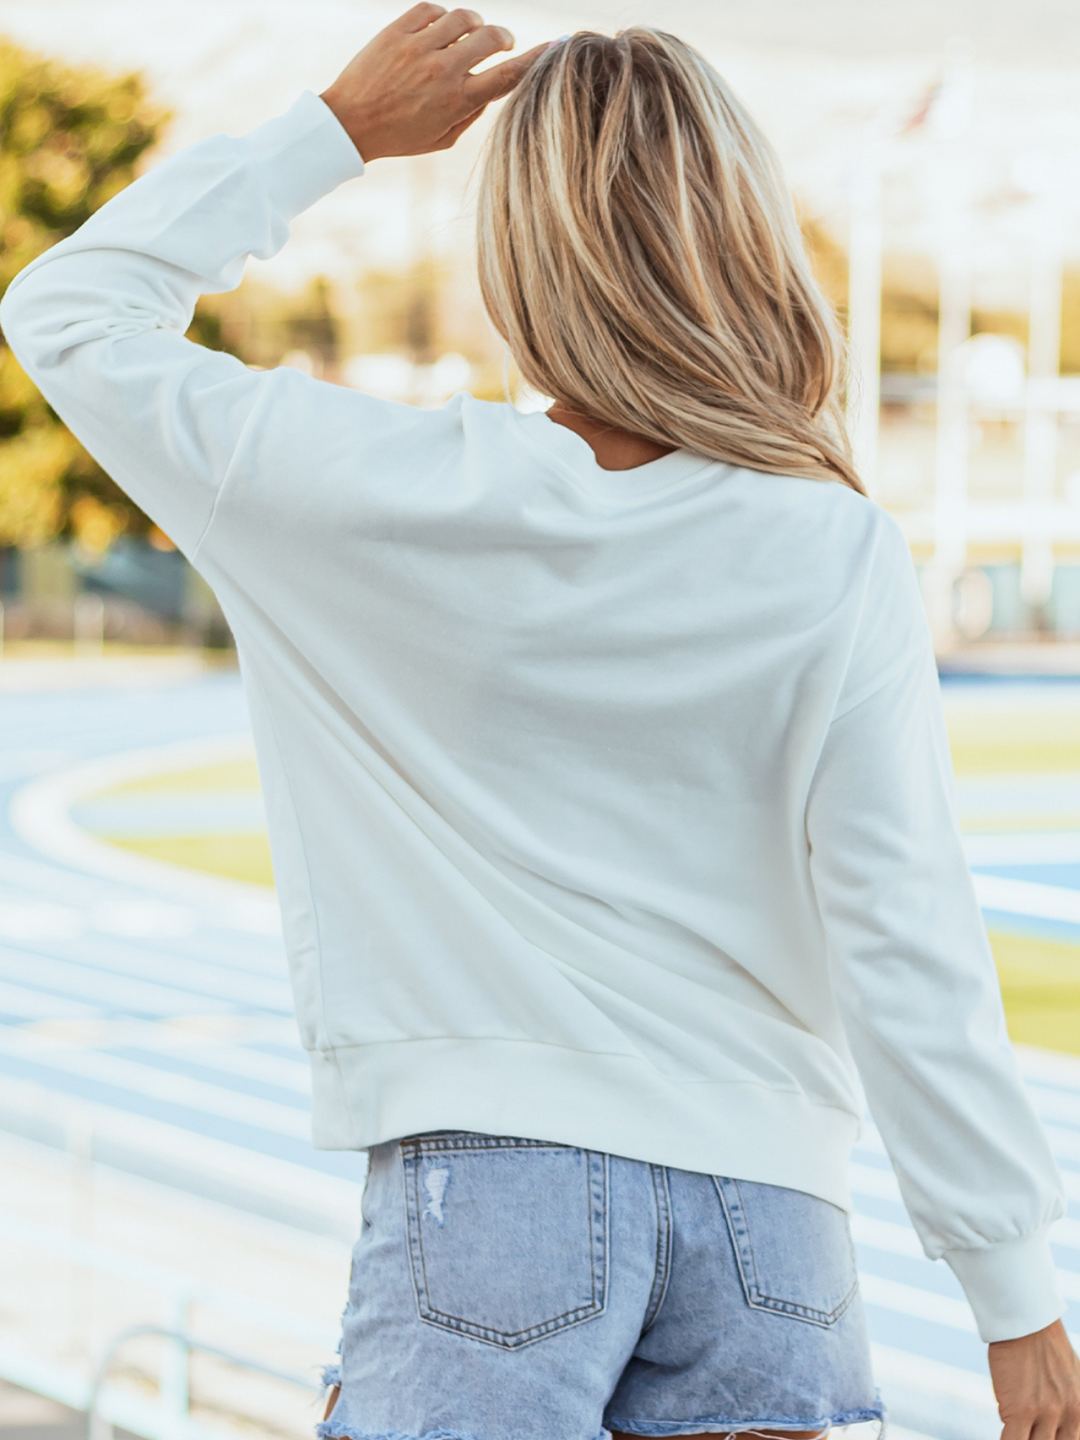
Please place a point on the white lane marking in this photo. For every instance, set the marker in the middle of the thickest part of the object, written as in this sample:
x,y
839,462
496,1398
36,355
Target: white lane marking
x,y
28,1004
933,1377
920,1304
868,1180
1064,1143
17,764
1026,897
39,920
1038,793
1050,1067
39,814
38,877
164,1085
1066,1232
888,1235
1051,847
105,987
233,1058
227,811
201,979
139,919
188,1041
202,1154
29,920
1055,1106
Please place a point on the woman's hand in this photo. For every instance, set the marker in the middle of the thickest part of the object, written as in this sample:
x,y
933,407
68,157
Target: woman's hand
x,y
1037,1384
410,89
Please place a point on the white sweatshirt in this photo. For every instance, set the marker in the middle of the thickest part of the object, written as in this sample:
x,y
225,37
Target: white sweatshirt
x,y
607,807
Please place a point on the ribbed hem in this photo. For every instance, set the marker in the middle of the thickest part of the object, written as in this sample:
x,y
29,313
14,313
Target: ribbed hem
x,y
363,1095
1011,1286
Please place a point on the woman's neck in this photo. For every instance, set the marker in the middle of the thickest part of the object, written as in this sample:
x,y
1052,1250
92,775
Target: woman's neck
x,y
614,449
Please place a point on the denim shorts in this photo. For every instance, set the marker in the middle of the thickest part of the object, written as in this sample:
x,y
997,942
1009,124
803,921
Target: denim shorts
x,y
508,1289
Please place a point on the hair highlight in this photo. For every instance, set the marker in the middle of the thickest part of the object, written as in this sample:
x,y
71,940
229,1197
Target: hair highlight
x,y
640,255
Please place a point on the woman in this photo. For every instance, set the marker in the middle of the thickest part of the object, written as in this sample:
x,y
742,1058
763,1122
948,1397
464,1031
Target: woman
x,y
603,759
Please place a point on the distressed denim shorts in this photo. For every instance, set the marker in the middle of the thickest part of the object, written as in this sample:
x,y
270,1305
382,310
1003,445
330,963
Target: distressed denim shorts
x,y
507,1289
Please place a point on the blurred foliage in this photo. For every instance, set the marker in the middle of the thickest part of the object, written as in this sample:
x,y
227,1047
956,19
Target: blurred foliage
x,y
70,139
262,325
827,259
425,311
1070,323
909,307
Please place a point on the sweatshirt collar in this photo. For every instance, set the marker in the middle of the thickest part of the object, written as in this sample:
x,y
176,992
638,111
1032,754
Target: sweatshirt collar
x,y
576,455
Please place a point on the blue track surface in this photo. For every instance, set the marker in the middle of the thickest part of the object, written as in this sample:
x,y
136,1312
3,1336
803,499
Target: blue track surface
x,y
157,1011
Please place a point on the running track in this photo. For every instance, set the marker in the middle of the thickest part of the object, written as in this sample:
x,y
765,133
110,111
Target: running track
x,y
157,1018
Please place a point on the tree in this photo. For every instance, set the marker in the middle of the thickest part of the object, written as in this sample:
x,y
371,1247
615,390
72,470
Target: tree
x,y
70,139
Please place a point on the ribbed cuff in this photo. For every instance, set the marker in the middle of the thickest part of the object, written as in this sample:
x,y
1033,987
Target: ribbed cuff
x,y
307,154
1011,1286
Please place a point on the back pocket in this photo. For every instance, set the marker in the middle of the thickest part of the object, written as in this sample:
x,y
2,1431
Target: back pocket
x,y
793,1250
507,1237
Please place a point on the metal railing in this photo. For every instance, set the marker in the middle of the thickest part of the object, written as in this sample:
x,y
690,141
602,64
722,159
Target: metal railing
x,y
109,1405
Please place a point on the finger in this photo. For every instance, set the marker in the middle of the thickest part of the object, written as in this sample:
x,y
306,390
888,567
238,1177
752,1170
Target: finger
x,y
499,80
456,131
419,17
1016,1429
452,27
480,44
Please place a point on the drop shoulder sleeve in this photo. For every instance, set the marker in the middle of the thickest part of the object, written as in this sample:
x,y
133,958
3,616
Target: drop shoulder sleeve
x,y
98,321
915,978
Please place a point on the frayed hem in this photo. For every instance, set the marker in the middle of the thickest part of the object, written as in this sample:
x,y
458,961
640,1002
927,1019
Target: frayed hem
x,y
327,1430
342,1430
331,1376
709,1424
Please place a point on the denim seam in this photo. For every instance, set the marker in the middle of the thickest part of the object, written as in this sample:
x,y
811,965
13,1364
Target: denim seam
x,y
662,1272
466,1140
597,1202
742,1243
600,1228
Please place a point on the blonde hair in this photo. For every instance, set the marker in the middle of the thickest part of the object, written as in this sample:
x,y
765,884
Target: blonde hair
x,y
640,255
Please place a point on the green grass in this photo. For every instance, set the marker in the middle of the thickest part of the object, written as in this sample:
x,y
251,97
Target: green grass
x,y
229,775
237,857
241,856
1040,979
1040,983
998,736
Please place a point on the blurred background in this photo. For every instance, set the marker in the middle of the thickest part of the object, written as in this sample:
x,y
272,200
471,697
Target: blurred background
x,y
173,1254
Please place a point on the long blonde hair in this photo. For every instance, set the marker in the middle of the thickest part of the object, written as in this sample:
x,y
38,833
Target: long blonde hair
x,y
640,255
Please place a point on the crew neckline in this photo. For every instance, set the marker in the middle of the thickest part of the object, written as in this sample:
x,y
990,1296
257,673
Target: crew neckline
x,y
576,456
